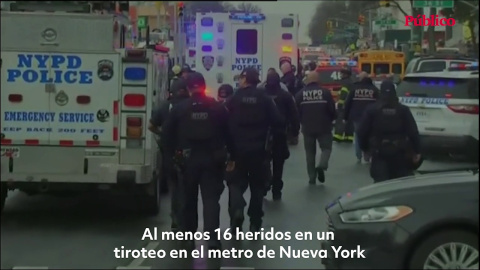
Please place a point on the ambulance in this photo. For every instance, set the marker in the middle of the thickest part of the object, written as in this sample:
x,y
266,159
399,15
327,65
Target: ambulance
x,y
312,54
75,109
227,43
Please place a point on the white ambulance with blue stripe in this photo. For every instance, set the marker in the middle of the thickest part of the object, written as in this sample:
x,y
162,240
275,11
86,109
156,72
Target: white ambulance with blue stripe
x,y
445,106
227,43
74,109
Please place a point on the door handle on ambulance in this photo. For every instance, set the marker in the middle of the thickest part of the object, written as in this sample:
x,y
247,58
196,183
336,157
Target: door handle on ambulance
x,y
49,43
434,129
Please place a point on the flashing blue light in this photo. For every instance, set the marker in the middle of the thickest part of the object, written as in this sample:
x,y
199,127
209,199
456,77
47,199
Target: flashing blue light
x,y
207,36
135,73
438,83
475,64
207,22
352,63
247,17
207,48
287,36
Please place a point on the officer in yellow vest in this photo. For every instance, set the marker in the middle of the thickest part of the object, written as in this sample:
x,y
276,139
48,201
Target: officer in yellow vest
x,y
343,131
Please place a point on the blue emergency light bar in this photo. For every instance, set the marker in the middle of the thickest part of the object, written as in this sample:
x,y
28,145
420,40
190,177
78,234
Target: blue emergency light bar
x,y
338,63
246,17
464,67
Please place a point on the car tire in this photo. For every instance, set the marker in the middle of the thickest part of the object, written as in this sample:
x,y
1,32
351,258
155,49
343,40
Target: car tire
x,y
4,193
148,197
427,248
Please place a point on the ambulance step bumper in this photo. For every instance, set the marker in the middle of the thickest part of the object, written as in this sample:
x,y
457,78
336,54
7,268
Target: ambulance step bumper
x,y
108,174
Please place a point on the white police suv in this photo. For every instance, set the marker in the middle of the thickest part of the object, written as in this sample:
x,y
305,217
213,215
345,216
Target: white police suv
x,y
445,107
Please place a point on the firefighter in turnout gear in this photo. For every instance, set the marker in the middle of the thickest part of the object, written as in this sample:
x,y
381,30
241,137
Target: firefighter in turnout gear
x,y
344,130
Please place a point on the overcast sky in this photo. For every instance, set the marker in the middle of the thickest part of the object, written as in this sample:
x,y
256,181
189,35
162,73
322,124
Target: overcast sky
x,y
304,9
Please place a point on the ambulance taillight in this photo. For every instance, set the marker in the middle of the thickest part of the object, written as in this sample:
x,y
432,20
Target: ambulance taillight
x,y
135,55
134,132
134,100
287,49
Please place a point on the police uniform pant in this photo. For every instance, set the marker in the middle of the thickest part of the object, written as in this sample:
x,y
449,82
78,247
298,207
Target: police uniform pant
x,y
340,126
249,172
170,174
358,151
386,168
280,153
325,142
202,172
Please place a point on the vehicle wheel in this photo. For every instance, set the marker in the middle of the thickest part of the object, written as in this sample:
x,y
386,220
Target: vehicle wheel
x,y
447,250
149,197
4,193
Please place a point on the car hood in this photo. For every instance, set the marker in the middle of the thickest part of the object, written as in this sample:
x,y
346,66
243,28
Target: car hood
x,y
402,189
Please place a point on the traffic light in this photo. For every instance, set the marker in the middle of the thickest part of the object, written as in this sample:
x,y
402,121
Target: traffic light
x,y
329,25
385,3
361,19
180,7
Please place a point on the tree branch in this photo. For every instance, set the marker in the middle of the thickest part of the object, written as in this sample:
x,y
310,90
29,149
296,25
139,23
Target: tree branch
x,y
400,8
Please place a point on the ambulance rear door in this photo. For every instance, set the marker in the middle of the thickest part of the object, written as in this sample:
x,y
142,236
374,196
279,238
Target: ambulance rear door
x,y
25,104
85,99
247,45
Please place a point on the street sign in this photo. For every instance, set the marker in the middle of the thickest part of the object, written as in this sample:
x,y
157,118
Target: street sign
x,y
142,22
385,22
433,3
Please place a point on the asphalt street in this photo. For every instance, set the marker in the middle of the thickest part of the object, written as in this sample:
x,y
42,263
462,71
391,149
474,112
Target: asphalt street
x,y
82,232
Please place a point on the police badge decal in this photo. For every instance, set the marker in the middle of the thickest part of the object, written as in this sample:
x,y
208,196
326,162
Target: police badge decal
x,y
105,70
103,115
207,62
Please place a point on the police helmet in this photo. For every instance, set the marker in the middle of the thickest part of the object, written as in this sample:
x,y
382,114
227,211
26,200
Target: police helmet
x,y
195,80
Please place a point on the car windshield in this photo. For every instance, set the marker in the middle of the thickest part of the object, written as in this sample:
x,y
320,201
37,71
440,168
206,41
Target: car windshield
x,y
332,75
437,65
310,57
439,87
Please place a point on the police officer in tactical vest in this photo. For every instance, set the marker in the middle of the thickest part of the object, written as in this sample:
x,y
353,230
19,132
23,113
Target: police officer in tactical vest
x,y
159,116
389,131
363,94
279,149
343,131
317,113
196,133
252,115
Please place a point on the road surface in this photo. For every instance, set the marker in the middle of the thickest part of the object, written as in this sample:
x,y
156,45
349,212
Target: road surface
x,y
82,232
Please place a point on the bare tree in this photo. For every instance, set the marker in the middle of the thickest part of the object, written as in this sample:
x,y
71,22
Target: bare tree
x,y
248,8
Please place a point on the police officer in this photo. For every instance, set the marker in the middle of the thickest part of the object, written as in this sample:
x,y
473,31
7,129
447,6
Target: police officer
x,y
279,150
224,92
252,115
363,94
317,112
196,133
159,116
388,130
273,71
344,131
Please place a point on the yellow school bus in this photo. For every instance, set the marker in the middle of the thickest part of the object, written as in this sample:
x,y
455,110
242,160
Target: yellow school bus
x,y
381,63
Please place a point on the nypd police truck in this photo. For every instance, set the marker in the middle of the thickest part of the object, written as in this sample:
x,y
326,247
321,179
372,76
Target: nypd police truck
x,y
74,108
227,43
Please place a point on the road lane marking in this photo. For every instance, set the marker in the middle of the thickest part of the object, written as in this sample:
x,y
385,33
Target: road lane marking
x,y
138,261
29,267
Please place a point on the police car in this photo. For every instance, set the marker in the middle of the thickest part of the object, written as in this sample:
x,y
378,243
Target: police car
x,y
436,63
445,107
